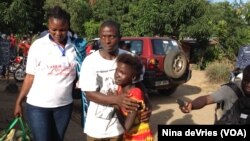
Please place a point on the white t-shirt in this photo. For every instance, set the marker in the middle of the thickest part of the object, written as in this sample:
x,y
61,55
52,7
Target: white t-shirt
x,y
96,74
53,73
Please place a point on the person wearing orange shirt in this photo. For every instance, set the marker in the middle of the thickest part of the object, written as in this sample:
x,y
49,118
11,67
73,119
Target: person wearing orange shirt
x,y
24,47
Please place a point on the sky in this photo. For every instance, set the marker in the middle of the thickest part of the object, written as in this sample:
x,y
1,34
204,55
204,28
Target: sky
x,y
231,1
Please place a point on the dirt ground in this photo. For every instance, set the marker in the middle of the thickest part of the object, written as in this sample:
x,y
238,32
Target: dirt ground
x,y
165,108
197,86
6,103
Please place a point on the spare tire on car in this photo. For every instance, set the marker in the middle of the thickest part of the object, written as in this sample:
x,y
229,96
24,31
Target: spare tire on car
x,y
175,64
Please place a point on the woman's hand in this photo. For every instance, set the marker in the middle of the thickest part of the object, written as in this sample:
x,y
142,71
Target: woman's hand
x,y
18,111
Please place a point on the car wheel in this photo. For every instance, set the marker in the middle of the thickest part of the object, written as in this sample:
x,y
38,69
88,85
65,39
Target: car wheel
x,y
175,64
167,92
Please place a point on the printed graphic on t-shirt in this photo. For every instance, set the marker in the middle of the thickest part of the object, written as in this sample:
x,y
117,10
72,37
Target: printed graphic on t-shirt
x,y
105,112
62,66
107,84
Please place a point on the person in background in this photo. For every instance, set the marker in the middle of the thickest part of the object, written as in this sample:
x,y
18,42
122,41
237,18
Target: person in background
x,y
97,79
243,60
125,46
5,54
13,43
50,74
92,47
24,46
129,69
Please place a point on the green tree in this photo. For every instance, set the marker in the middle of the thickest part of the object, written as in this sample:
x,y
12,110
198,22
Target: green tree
x,y
3,11
78,9
21,16
110,9
231,28
145,18
91,29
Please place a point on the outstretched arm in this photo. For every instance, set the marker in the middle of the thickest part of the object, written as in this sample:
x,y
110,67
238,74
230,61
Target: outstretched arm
x,y
197,103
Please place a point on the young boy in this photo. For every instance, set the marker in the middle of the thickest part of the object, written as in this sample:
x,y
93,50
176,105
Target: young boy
x,y
127,72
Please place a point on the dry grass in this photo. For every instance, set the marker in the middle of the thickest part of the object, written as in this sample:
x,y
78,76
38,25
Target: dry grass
x,y
218,72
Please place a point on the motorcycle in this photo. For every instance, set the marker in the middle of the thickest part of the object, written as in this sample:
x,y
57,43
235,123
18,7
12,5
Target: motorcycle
x,y
235,75
14,64
19,73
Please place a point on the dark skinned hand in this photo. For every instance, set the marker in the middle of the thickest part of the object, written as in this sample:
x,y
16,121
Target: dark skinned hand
x,y
128,104
144,115
125,102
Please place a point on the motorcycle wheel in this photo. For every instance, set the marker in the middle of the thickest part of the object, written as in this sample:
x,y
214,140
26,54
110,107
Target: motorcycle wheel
x,y
19,74
12,68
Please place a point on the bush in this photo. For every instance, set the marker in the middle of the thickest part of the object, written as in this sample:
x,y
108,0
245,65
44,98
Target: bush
x,y
218,72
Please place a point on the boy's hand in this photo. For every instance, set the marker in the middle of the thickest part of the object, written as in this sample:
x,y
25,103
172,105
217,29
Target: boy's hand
x,y
144,115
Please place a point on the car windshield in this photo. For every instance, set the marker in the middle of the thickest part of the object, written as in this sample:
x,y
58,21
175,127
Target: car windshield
x,y
162,47
134,45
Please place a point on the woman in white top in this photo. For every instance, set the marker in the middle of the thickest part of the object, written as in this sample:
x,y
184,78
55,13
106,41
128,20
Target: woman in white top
x,y
50,73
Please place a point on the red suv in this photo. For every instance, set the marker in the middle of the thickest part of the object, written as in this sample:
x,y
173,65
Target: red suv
x,y
166,64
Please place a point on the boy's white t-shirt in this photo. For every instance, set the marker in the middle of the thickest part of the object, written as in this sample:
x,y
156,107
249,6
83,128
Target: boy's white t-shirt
x,y
96,74
53,73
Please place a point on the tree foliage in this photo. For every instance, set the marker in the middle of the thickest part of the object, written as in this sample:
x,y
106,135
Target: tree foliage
x,y
91,29
78,9
199,20
21,16
231,28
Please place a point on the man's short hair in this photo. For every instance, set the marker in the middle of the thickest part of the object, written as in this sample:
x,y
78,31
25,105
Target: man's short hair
x,y
111,23
246,73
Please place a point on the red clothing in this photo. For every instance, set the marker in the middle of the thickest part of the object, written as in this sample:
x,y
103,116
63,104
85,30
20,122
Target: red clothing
x,y
140,130
88,49
25,47
12,41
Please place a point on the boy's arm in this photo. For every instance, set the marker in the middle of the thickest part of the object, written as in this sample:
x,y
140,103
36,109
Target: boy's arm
x,y
120,116
126,121
130,119
144,116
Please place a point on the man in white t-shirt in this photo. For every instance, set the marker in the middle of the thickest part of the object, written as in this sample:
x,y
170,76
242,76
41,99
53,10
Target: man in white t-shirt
x,y
97,79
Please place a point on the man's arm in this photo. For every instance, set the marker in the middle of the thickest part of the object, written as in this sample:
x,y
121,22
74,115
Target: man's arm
x,y
122,100
130,119
202,101
197,103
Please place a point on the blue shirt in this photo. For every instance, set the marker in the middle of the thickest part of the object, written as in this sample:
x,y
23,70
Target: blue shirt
x,y
4,52
243,58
